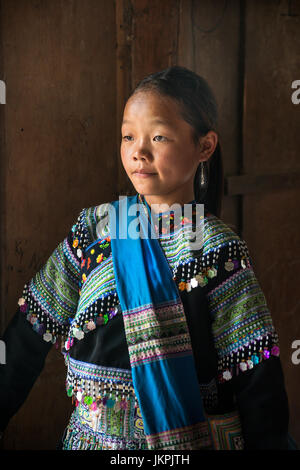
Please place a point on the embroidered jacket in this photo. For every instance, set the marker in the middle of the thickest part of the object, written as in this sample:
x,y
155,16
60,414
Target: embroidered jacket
x,y
73,299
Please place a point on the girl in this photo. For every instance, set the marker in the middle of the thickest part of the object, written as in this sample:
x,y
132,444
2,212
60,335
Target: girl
x,y
168,344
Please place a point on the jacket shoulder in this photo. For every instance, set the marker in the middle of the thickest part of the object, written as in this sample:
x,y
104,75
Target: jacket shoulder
x,y
217,234
95,220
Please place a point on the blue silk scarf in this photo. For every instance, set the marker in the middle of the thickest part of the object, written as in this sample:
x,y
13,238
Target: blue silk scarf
x,y
162,363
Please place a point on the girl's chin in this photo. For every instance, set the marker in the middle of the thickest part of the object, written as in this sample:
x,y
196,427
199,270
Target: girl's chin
x,y
145,185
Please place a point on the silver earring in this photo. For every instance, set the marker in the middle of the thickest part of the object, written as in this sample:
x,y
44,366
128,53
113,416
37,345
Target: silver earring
x,y
203,175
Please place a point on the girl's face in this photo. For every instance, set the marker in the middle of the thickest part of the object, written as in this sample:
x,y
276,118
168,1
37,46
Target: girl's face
x,y
156,139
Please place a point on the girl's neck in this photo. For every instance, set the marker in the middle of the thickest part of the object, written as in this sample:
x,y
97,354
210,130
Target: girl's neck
x,y
159,206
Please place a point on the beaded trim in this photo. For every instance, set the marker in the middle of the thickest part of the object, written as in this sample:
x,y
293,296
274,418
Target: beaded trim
x,y
198,271
98,386
41,322
247,357
97,314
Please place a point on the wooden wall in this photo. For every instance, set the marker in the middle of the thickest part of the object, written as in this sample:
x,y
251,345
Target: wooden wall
x,y
271,152
59,155
69,67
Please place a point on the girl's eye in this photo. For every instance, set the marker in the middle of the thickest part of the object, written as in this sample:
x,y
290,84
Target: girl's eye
x,y
128,137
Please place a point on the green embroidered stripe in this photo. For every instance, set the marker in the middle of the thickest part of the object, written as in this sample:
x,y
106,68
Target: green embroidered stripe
x,y
100,282
153,324
55,286
216,233
176,249
239,311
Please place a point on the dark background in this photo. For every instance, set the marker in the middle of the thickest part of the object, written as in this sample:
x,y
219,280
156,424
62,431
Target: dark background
x,y
69,66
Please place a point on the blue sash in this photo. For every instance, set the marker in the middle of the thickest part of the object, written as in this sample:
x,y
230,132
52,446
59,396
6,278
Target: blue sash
x,y
159,344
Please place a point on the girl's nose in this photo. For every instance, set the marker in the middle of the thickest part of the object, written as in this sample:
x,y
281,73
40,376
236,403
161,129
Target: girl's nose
x,y
142,154
138,156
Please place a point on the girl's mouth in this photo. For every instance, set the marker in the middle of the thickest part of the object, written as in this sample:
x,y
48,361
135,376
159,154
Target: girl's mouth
x,y
144,175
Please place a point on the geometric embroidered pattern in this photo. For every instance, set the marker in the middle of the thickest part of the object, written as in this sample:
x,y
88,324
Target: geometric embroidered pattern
x,y
239,311
242,325
188,438
156,334
114,431
226,431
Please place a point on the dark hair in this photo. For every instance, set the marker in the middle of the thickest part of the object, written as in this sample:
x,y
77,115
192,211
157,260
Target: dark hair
x,y
198,108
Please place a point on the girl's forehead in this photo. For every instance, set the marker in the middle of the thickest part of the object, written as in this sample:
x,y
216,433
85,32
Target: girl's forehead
x,y
151,104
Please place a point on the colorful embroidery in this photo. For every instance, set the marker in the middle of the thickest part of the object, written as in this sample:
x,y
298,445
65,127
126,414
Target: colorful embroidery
x,y
153,334
51,297
122,435
55,306
106,407
95,385
75,292
98,313
226,432
189,438
242,326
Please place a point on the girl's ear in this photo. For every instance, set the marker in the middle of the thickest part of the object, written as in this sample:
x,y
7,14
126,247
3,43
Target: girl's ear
x,y
207,145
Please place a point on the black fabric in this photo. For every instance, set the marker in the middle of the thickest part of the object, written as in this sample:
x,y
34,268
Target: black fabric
x,y
199,323
263,406
105,346
26,352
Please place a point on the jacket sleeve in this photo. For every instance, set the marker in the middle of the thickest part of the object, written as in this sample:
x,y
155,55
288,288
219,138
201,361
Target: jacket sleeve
x,y
25,354
248,349
45,309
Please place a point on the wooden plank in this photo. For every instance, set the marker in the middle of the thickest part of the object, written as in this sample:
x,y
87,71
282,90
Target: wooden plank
x,y
3,258
216,39
246,184
124,25
185,41
155,30
271,147
60,156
